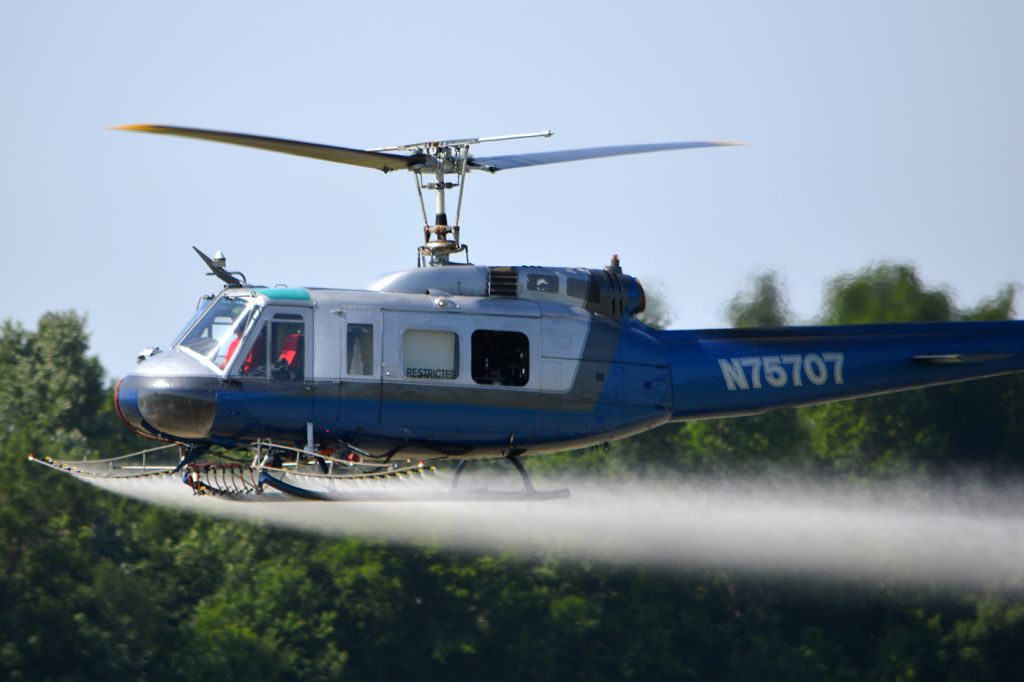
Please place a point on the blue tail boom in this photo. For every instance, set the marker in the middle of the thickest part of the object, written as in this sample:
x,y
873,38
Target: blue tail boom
x,y
728,372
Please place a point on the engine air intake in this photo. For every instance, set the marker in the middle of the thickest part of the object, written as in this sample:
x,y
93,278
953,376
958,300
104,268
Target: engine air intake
x,y
503,282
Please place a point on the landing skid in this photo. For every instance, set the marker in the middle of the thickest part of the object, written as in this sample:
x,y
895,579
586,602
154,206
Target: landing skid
x,y
402,484
283,472
527,493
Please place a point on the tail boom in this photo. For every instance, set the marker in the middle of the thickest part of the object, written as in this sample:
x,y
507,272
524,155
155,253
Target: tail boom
x,y
729,372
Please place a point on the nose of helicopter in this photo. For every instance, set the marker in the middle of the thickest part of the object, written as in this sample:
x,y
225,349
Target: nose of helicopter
x,y
172,395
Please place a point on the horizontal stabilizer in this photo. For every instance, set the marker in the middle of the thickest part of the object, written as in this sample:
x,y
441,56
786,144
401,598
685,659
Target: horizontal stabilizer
x,y
961,358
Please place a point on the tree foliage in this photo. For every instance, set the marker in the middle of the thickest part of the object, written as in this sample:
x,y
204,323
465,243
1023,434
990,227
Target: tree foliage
x,y
764,305
925,431
98,587
886,292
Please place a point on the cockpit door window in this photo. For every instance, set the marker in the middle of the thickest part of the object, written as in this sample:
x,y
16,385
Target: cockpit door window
x,y
288,348
279,351
257,360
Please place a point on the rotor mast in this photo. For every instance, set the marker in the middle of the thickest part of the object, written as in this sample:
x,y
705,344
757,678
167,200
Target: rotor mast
x,y
444,158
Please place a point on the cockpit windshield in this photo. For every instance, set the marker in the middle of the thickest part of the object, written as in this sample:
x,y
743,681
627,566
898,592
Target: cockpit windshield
x,y
218,334
202,306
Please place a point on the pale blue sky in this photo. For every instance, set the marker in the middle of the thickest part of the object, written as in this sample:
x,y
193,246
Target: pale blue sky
x,y
878,130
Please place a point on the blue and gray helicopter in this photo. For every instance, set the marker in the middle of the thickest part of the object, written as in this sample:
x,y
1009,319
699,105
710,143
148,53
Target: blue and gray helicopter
x,y
333,393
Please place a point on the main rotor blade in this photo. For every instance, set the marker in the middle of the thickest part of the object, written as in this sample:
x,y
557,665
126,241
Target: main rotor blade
x,y
497,163
353,157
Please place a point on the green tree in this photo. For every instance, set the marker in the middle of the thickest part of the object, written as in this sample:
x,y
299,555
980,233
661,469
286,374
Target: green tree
x,y
98,587
923,431
763,305
66,604
885,292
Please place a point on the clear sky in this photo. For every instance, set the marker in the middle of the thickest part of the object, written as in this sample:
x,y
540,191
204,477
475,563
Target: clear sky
x,y
877,130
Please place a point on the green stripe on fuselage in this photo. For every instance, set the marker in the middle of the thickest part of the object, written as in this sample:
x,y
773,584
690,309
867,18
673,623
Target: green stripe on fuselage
x,y
285,294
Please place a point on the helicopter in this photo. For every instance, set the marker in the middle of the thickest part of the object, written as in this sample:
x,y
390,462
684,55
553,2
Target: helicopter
x,y
332,394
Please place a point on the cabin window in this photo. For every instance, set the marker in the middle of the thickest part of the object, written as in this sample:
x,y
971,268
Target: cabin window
x,y
547,284
279,351
430,354
577,288
359,347
500,358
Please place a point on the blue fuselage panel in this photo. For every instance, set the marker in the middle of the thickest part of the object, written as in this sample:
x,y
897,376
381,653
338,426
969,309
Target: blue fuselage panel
x,y
627,379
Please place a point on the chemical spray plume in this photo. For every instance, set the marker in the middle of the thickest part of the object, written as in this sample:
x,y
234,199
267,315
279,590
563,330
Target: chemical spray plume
x,y
961,537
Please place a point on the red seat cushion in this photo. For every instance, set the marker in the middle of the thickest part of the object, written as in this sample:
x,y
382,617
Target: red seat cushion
x,y
290,349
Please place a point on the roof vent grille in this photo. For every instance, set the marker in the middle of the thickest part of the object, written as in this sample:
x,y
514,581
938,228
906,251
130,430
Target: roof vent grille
x,y
503,282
